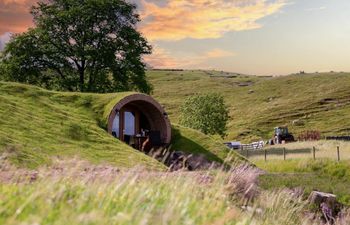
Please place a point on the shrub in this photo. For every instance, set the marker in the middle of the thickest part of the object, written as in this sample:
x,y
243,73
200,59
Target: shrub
x,y
207,113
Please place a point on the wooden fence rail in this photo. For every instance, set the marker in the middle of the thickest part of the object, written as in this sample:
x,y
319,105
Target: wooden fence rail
x,y
251,152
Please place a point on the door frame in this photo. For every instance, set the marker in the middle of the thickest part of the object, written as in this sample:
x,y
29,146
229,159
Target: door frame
x,y
136,114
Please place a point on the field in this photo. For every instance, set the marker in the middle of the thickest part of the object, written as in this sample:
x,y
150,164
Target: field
x,y
319,101
301,170
308,175
302,150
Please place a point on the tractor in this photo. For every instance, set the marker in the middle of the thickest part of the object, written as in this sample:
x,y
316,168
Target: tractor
x,y
282,135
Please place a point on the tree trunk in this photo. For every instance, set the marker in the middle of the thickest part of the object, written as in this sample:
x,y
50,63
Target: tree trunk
x,y
81,79
90,84
82,76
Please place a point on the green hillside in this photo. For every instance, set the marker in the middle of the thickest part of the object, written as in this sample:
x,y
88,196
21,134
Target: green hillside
x,y
36,125
318,101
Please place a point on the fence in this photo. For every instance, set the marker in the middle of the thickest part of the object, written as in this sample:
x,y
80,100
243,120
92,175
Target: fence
x,y
252,147
283,153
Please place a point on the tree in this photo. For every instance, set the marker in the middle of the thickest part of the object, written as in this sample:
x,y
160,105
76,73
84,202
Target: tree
x,y
80,45
207,113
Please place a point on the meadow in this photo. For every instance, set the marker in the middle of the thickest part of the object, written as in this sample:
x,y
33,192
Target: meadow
x,y
324,149
76,192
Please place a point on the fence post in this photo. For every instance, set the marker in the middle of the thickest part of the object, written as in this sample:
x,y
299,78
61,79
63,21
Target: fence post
x,y
247,154
338,153
284,153
265,151
314,152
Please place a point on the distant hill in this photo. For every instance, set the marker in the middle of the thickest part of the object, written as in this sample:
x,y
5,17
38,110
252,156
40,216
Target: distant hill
x,y
319,101
36,125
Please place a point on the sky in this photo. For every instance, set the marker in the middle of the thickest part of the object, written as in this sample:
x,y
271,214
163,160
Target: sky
x,y
260,37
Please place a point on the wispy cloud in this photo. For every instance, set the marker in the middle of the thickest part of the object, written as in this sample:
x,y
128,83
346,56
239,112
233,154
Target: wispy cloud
x,y
200,19
161,58
169,19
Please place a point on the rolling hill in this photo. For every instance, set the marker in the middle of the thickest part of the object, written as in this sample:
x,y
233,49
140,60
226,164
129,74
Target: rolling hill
x,y
319,101
36,125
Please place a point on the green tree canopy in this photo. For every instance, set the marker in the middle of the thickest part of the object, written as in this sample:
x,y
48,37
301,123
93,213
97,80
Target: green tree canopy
x,y
80,45
207,113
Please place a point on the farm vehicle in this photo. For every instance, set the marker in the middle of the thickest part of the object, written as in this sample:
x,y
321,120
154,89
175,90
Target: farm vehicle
x,y
282,135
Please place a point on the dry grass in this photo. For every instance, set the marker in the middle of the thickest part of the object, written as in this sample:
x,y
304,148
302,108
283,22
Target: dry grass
x,y
76,192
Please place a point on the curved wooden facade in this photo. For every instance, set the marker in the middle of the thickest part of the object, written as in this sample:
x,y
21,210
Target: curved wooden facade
x,y
146,111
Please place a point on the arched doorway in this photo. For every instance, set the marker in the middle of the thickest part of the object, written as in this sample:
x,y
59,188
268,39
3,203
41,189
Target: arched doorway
x,y
138,116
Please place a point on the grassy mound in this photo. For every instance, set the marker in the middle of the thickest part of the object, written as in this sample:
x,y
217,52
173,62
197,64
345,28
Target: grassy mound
x,y
36,125
319,101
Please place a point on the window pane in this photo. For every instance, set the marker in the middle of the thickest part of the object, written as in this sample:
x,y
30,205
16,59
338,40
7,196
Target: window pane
x,y
115,127
129,121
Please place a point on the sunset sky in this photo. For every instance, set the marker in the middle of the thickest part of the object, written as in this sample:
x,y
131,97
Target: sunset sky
x,y
262,37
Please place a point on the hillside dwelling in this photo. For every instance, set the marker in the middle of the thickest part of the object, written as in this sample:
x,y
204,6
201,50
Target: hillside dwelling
x,y
140,121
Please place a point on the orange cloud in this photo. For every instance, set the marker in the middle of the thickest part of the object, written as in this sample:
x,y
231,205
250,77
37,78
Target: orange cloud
x,y
162,58
15,16
179,19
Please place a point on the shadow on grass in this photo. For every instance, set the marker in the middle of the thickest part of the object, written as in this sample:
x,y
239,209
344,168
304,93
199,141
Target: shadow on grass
x,y
185,144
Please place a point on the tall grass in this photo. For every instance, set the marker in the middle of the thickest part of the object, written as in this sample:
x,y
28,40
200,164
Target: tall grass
x,y
101,196
76,192
324,175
